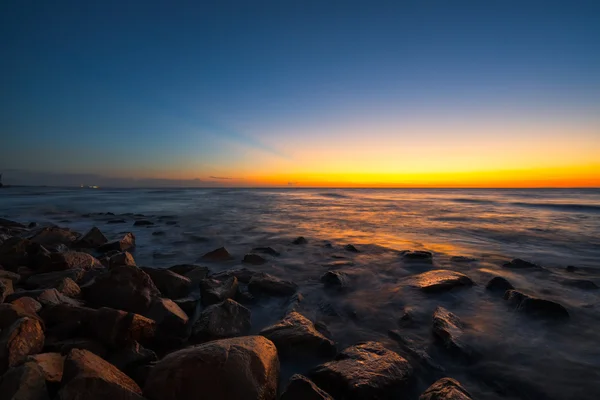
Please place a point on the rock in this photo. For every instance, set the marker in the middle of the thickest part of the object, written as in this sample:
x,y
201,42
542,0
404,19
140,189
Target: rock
x,y
131,356
417,256
215,291
418,358
188,304
25,382
351,248
7,276
335,279
364,371
123,287
243,275
302,388
571,268
296,336
223,320
167,314
74,260
46,297
51,365
92,240
499,284
64,347
10,313
536,307
28,304
446,389
23,338
299,240
87,376
54,235
116,328
14,252
462,259
158,233
169,283
449,330
143,222
517,263
124,244
121,258
440,280
266,250
69,288
268,284
220,254
580,284
254,259
10,224
6,289
51,280
238,368
194,273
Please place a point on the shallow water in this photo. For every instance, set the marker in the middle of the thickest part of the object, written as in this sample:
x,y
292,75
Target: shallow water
x,y
520,358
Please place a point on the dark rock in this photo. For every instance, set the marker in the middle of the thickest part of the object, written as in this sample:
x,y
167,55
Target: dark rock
x,y
168,315
293,303
32,225
74,260
266,250
140,373
517,263
499,284
300,240
64,347
188,304
296,336
351,248
25,382
46,297
302,388
124,287
116,221
580,284
220,254
254,259
449,330
121,258
92,240
171,222
69,288
169,283
365,371
534,306
223,320
335,279
418,358
51,280
6,289
243,275
194,273
116,328
462,259
14,252
215,291
158,233
418,256
238,368
7,276
11,224
571,268
52,236
130,356
51,365
28,304
183,269
124,244
10,313
87,376
446,389
23,338
268,284
143,222
440,280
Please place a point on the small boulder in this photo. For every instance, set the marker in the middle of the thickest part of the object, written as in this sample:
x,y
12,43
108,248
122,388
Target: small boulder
x,y
351,248
217,255
254,259
23,338
446,389
121,258
302,388
51,365
299,240
25,382
46,297
417,256
169,283
123,244
223,320
74,260
6,289
215,291
440,280
364,371
69,288
10,313
242,274
266,250
131,356
536,307
518,263
167,314
335,279
499,284
449,330
92,240
238,368
28,304
295,335
268,284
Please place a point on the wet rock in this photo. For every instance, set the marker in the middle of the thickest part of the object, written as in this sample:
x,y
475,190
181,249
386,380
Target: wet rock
x,y
254,259
87,376
116,221
123,244
52,236
417,256
124,287
335,279
51,280
215,291
131,356
143,222
242,274
10,224
296,335
239,368
266,250
188,304
365,371
263,283
449,330
518,263
223,320
116,328
25,382
351,248
169,283
536,307
499,284
446,389
122,258
462,259
217,255
167,314
74,260
64,347
46,297
92,240
293,303
51,365
28,304
571,268
417,357
158,233
440,280
10,313
302,388
580,284
194,273
23,338
299,240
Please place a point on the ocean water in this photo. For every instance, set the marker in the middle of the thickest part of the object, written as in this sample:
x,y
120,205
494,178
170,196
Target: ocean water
x,y
520,358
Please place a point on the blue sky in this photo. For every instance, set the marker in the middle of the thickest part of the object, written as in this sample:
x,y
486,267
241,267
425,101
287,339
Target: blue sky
x,y
182,90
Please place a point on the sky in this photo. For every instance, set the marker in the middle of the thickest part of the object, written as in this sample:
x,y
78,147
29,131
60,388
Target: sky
x,y
496,93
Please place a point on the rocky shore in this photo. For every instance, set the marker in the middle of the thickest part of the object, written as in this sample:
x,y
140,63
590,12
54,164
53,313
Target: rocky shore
x,y
80,319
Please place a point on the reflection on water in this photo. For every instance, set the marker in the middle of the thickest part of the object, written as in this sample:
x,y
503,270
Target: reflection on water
x,y
520,357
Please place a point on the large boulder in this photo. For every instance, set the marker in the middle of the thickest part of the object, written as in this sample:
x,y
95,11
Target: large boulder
x,y
54,236
215,291
536,307
74,260
23,338
93,239
302,388
238,368
446,389
10,313
127,242
123,287
51,280
223,320
263,283
25,382
364,371
295,335
499,284
169,283
440,280
87,376
217,255
15,252
449,330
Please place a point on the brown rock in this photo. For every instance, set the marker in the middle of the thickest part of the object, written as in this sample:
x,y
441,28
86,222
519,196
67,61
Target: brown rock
x,y
169,283
25,382
10,276
215,291
28,304
14,252
46,297
243,275
296,336
64,347
223,320
263,283
123,244
239,368
194,273
220,254
168,315
116,327
440,280
365,371
449,329
87,376
188,304
10,313
93,239
302,388
22,338
51,365
74,260
536,307
6,289
131,356
446,389
122,258
69,288
54,235
51,280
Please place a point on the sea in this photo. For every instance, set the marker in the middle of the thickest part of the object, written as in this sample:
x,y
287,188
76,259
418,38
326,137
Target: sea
x,y
520,357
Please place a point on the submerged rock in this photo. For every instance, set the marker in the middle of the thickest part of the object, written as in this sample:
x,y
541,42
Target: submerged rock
x,y
217,255
215,291
499,284
23,338
223,320
351,248
536,307
254,259
295,335
440,280
417,256
364,371
302,388
580,284
92,240
266,250
268,284
299,240
335,279
518,263
239,368
127,242
446,389
169,283
418,358
449,330
462,259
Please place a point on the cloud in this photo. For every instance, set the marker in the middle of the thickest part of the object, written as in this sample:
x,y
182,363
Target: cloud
x,y
219,177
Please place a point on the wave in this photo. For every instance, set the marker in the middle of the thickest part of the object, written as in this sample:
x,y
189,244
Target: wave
x,y
474,201
334,195
567,207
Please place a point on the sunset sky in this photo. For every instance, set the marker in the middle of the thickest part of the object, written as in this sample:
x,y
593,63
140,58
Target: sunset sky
x,y
304,93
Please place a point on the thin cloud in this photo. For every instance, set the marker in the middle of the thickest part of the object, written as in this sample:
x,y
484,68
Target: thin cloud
x,y
220,177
